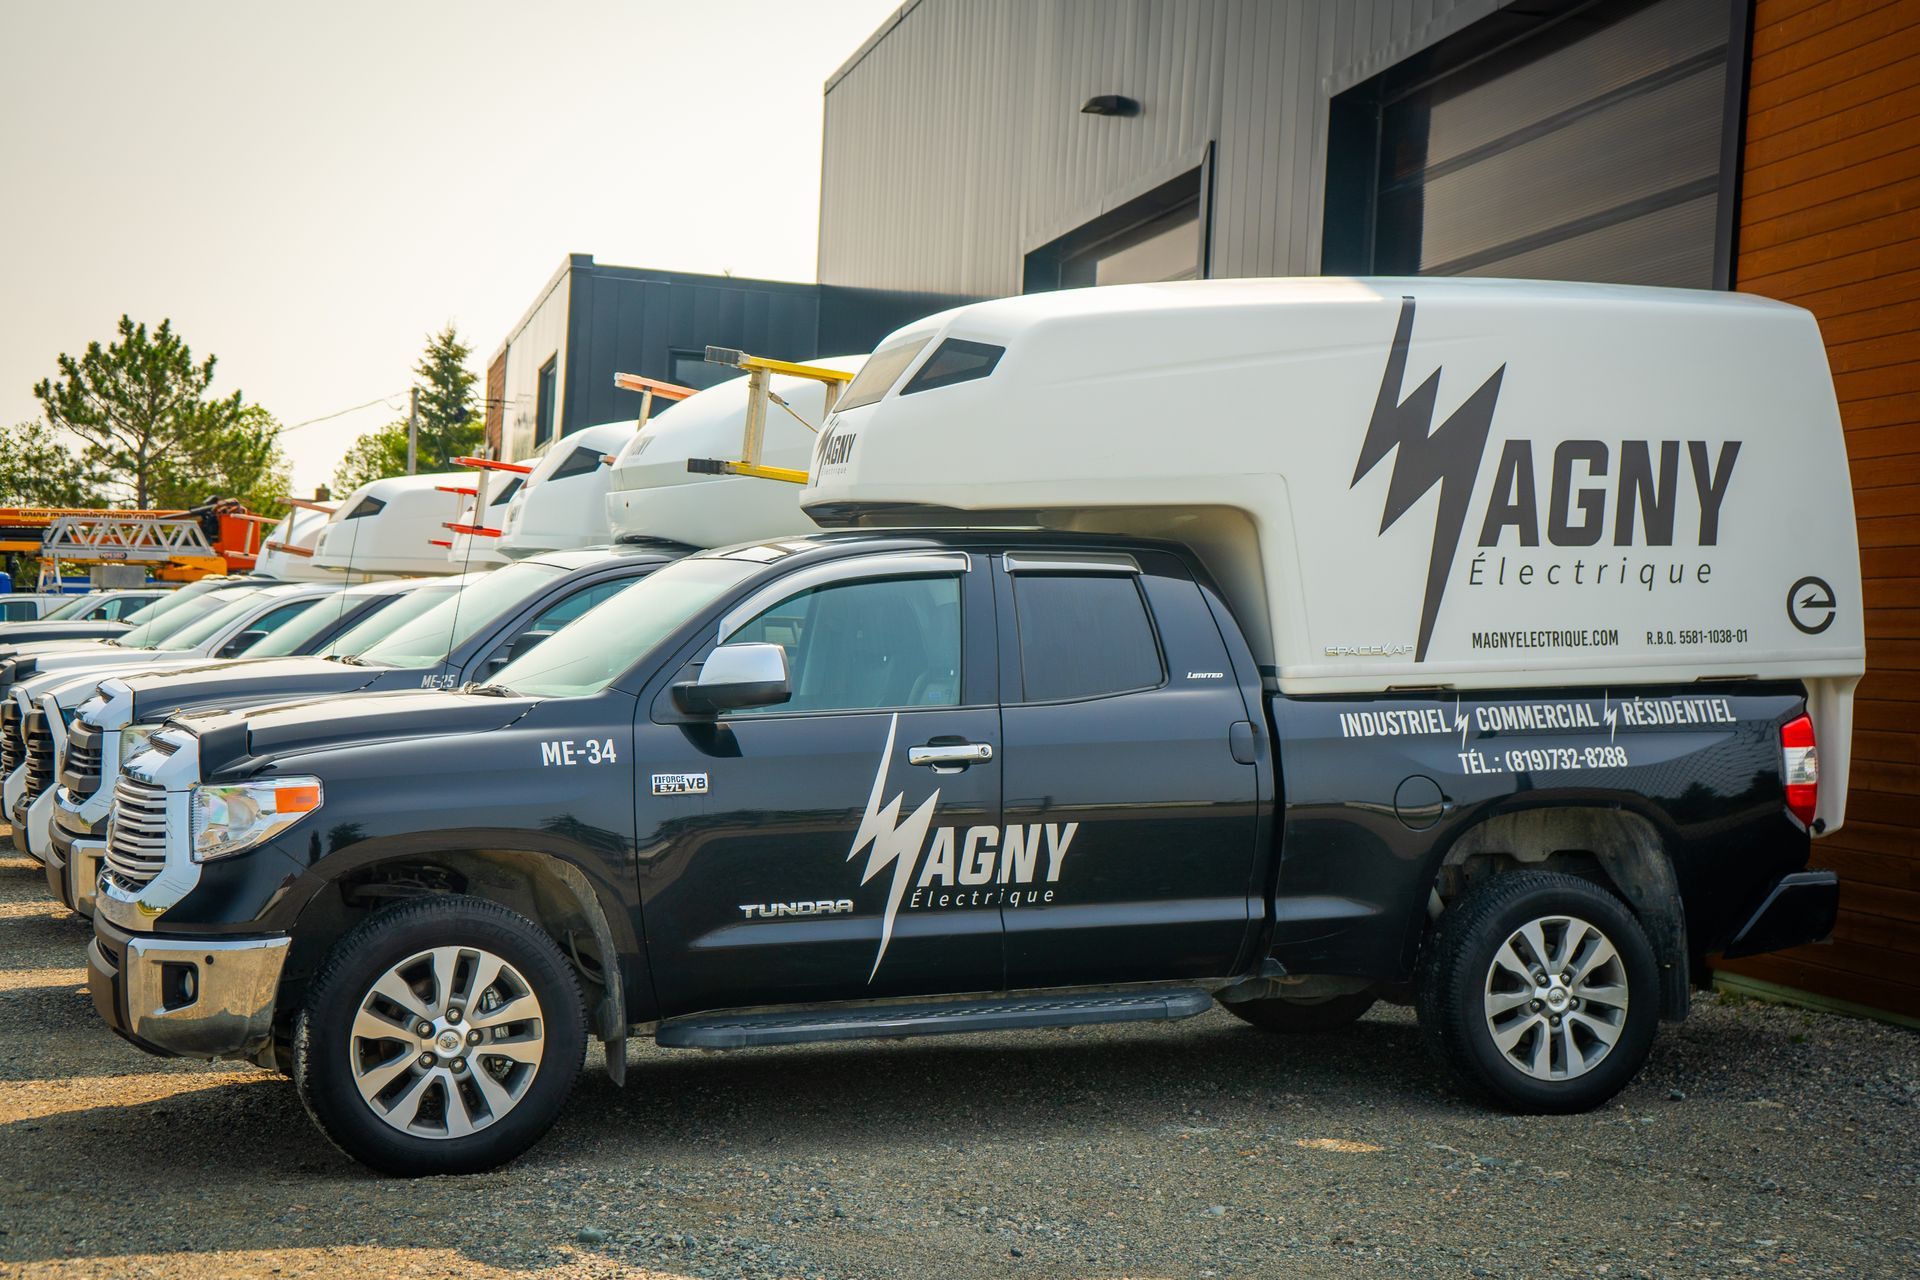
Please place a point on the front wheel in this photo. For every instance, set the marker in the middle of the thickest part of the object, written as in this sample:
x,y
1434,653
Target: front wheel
x,y
439,1036
1542,990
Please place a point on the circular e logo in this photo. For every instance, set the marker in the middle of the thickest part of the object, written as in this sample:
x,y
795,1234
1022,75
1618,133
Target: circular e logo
x,y
1810,605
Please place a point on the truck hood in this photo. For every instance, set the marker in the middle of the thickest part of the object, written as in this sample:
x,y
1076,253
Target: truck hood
x,y
324,723
13,634
159,694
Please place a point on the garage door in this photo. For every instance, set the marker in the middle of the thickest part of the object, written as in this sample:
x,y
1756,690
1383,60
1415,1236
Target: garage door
x,y
1587,148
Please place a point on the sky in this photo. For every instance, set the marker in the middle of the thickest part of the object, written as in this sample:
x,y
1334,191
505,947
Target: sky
x,y
309,191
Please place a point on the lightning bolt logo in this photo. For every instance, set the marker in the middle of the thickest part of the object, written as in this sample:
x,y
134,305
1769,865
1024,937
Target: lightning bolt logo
x,y
889,841
1448,457
1610,715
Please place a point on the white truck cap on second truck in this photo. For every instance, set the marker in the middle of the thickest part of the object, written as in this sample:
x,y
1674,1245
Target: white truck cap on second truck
x,y
1418,483
653,494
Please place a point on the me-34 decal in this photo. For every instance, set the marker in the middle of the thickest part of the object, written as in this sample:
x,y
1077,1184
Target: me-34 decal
x,y
1560,717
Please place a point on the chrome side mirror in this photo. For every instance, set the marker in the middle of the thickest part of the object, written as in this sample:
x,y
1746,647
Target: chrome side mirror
x,y
736,676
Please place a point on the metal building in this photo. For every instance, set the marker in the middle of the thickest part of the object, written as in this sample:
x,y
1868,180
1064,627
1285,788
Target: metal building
x,y
989,147
554,371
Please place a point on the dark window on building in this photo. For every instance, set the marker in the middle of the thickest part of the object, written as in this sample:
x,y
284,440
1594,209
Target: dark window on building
x,y
955,360
1568,142
1159,236
1082,637
549,390
581,461
367,506
693,369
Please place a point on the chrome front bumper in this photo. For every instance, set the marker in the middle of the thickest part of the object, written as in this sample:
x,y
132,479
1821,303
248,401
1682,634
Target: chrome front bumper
x,y
185,997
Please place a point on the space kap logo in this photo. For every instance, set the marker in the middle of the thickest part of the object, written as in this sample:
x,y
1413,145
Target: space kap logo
x,y
984,866
1638,508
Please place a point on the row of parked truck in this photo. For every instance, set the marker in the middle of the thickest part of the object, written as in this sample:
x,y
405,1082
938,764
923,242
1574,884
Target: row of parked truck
x,y
1112,654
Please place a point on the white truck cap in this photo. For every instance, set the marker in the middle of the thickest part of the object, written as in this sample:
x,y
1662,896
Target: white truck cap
x,y
652,493
1406,482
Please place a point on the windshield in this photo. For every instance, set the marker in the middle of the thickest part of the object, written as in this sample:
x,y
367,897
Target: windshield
x,y
185,609
235,606
586,656
451,623
300,630
370,631
71,608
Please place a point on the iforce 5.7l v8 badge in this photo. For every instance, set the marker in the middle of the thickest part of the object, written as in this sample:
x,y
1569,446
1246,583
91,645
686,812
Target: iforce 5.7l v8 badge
x,y
679,784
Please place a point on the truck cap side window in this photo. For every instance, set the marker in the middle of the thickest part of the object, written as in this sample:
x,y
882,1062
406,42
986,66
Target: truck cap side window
x,y
880,372
953,361
1058,613
865,646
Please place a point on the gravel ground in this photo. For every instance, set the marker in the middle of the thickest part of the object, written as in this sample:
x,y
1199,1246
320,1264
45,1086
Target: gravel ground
x,y
1758,1141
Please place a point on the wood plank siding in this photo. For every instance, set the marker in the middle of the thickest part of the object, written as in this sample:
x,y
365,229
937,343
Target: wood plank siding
x,y
1830,220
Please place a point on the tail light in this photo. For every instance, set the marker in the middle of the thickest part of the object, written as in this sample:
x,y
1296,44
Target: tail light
x,y
1800,768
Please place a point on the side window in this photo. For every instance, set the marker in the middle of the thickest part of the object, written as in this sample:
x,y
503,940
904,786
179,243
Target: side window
x,y
1084,636
19,610
863,646
554,617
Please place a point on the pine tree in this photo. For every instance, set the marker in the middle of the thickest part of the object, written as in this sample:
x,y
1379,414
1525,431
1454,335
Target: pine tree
x,y
450,424
141,410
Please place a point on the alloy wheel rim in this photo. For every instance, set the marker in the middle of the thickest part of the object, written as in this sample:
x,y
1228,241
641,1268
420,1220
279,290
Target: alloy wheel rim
x,y
1555,998
446,1042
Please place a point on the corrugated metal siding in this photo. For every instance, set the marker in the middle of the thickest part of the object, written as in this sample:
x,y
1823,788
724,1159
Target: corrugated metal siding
x,y
954,145
1830,220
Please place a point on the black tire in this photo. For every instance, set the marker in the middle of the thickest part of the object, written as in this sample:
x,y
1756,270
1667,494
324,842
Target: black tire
x,y
323,1071
1456,981
1280,1014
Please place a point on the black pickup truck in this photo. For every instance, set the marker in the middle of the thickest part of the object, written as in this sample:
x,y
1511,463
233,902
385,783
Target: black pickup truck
x,y
904,784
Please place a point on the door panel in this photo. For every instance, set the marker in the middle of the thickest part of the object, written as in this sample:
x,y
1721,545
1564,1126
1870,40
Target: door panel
x,y
797,853
1146,823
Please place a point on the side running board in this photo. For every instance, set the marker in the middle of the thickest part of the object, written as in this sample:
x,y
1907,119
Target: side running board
x,y
932,1018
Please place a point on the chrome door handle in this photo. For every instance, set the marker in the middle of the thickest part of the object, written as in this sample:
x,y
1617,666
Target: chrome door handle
x,y
955,755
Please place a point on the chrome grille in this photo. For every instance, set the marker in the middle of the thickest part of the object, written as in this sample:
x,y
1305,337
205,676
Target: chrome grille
x,y
39,753
80,774
136,833
11,745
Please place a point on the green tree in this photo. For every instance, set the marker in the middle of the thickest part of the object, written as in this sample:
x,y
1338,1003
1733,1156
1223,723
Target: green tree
x,y
141,409
38,470
450,424
242,460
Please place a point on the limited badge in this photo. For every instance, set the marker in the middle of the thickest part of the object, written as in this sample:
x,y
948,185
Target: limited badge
x,y
679,784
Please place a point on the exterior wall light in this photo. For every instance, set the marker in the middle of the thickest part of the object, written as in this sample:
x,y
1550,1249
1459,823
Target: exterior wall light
x,y
1111,104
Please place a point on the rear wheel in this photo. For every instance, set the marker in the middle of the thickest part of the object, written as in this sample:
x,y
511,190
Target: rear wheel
x,y
1541,990
440,1036
1299,1016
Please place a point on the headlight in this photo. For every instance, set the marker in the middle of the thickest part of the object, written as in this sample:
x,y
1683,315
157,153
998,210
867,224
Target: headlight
x,y
134,739
230,818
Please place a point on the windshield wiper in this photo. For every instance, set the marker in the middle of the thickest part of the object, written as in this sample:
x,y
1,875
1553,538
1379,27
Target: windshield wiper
x,y
351,659
490,690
